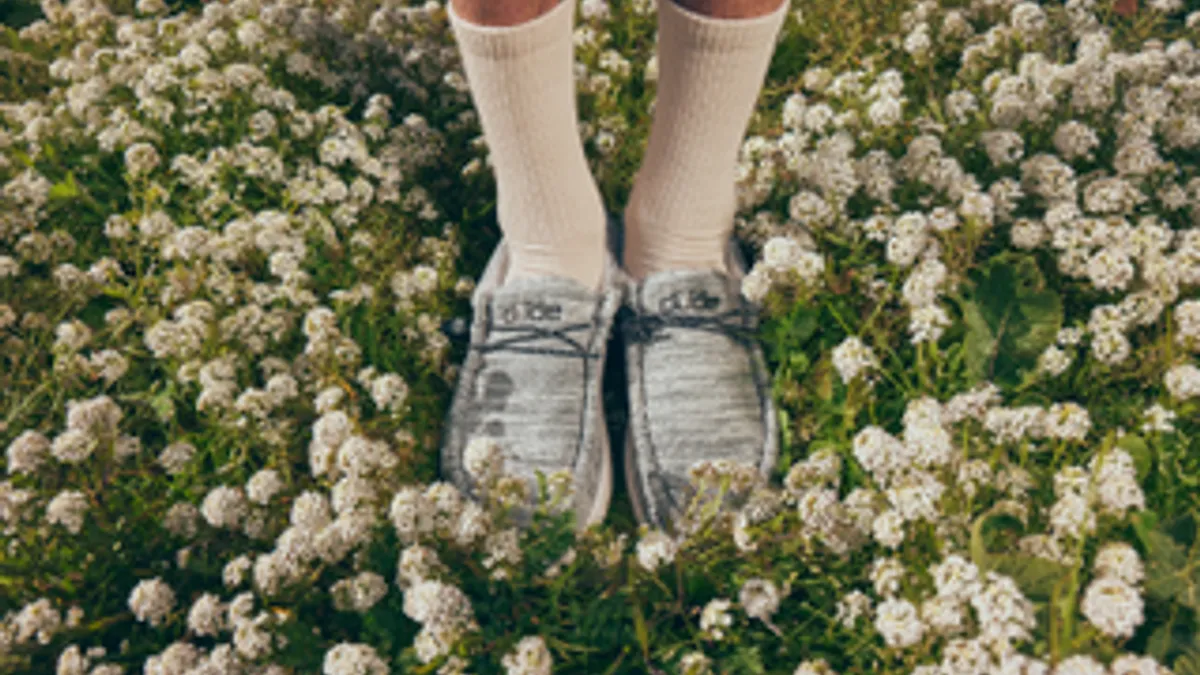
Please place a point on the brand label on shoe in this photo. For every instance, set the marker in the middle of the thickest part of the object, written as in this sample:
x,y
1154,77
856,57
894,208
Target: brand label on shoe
x,y
530,310
695,299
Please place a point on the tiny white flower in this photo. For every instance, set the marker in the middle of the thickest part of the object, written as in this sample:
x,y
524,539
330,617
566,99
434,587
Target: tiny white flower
x,y
759,599
655,549
529,657
715,618
151,601
1113,606
852,357
483,458
899,623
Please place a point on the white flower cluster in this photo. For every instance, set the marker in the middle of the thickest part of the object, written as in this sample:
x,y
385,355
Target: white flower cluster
x,y
853,357
1113,602
254,238
350,658
984,639
783,257
529,657
1067,421
1106,228
716,619
759,599
151,601
1108,485
75,661
444,613
655,549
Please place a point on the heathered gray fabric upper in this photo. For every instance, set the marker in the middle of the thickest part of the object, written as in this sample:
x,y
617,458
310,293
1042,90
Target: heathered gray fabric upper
x,y
696,392
527,383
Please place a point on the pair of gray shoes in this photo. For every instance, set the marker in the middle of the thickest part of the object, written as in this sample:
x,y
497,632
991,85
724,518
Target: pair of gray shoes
x,y
698,384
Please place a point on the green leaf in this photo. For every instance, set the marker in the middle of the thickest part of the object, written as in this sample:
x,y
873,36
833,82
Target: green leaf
x,y
163,405
979,344
639,628
1182,529
787,336
1011,316
1035,576
799,363
1164,551
785,427
1169,574
1187,664
1139,451
23,157
1144,522
747,660
65,189
989,521
1159,642
1040,319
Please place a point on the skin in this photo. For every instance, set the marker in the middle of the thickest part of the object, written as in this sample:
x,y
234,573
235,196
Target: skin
x,y
512,12
731,9
501,12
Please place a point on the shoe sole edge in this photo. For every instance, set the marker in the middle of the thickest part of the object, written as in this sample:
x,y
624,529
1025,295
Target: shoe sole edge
x,y
604,491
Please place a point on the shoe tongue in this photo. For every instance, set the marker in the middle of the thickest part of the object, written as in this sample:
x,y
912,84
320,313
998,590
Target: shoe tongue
x,y
543,299
688,291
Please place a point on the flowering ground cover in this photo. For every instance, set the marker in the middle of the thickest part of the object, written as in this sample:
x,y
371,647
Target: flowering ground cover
x,y
230,235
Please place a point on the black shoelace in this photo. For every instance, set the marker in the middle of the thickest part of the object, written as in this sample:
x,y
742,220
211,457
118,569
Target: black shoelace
x,y
645,328
518,336
636,327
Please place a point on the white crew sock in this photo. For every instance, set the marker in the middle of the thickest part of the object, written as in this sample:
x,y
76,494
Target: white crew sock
x,y
522,82
683,200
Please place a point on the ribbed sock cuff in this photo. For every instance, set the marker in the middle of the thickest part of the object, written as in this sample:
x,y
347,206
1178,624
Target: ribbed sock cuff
x,y
507,42
707,33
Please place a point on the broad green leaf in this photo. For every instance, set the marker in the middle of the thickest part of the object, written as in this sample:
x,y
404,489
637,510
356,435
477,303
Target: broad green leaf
x,y
1018,316
1039,317
979,344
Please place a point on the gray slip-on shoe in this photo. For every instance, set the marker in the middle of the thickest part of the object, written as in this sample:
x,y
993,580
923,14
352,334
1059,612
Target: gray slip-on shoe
x,y
531,381
699,389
